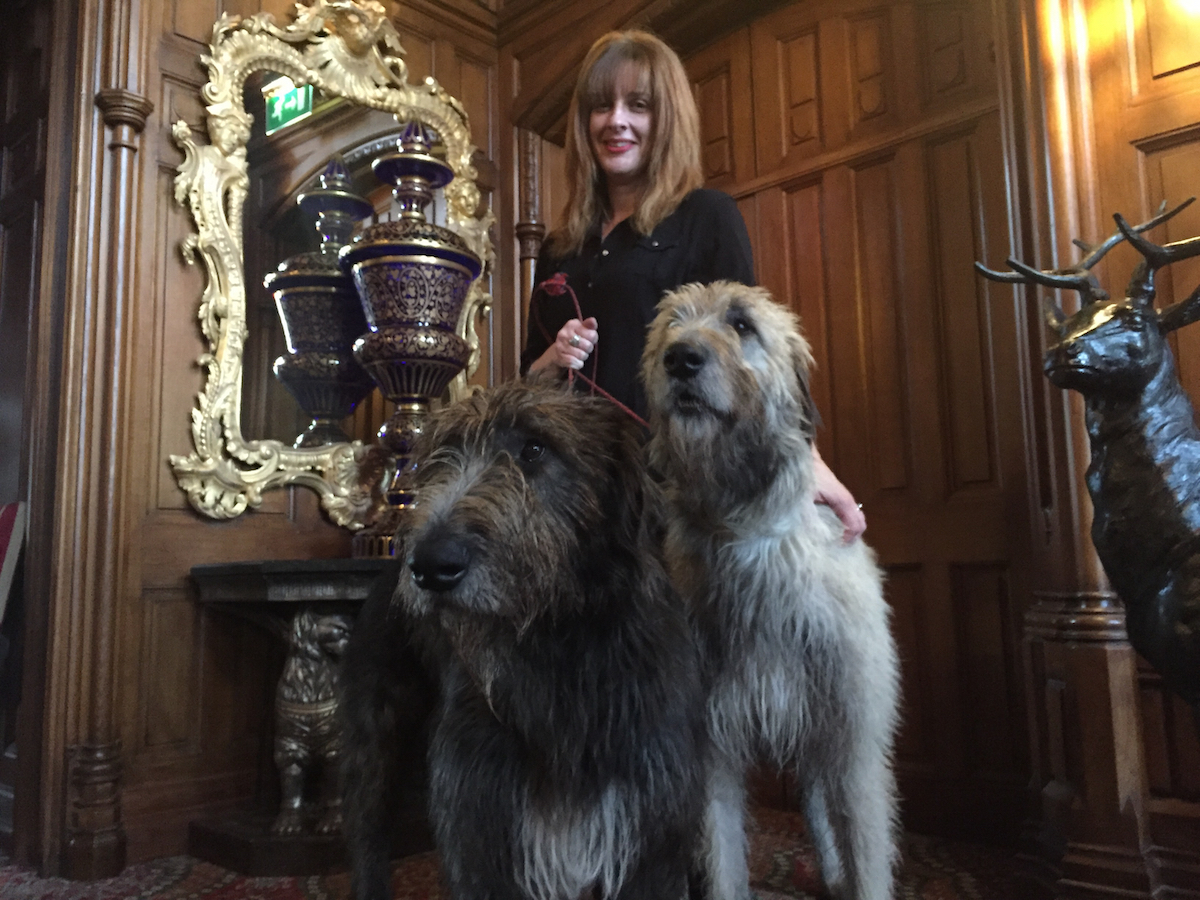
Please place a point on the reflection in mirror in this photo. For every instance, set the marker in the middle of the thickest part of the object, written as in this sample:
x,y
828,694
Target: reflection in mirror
x,y
241,189
286,165
277,228
321,314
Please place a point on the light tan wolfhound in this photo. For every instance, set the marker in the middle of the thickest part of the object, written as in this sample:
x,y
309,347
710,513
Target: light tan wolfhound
x,y
792,620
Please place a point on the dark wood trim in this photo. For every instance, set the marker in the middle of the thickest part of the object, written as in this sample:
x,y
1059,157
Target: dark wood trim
x,y
549,54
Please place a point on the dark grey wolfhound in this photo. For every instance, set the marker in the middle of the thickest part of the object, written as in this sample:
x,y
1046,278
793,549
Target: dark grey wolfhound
x,y
800,658
566,756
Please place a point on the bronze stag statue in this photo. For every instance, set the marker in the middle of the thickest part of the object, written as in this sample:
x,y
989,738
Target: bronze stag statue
x,y
1144,477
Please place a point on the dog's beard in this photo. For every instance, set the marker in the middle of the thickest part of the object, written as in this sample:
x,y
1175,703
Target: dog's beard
x,y
697,401
715,461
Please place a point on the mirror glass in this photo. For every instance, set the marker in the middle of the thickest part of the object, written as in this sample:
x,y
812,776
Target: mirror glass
x,y
345,58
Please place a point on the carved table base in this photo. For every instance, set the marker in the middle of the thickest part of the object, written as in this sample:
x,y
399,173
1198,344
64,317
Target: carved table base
x,y
310,605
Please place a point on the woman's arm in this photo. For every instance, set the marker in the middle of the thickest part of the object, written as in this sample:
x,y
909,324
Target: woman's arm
x,y
837,496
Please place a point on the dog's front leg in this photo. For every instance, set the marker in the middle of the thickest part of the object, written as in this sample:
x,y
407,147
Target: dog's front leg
x,y
385,696
814,795
723,850
476,790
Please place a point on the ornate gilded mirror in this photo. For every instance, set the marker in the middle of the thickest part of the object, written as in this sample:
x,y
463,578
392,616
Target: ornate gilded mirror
x,y
343,49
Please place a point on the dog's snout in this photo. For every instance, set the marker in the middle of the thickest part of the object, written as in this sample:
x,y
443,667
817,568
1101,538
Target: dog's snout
x,y
439,562
683,360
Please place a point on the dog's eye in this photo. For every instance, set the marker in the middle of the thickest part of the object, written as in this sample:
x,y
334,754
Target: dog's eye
x,y
740,322
532,451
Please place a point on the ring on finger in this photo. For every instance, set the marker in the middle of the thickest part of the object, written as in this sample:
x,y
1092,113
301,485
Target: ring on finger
x,y
574,341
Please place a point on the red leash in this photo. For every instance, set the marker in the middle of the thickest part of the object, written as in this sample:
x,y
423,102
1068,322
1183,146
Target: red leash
x,y
556,285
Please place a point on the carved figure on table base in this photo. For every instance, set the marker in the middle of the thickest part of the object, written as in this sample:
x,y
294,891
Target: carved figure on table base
x,y
307,739
1144,477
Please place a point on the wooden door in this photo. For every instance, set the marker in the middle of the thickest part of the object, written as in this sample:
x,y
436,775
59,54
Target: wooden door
x,y
879,179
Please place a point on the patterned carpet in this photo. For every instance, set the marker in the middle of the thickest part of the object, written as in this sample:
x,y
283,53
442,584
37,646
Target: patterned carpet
x,y
782,866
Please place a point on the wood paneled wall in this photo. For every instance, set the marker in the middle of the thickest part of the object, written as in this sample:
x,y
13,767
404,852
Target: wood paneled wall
x,y
875,148
863,142
1105,101
147,711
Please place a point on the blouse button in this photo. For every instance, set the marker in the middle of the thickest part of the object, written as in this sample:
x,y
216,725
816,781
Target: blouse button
x,y
604,253
654,243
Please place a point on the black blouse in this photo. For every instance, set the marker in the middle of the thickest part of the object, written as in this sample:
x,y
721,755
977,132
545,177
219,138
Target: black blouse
x,y
621,279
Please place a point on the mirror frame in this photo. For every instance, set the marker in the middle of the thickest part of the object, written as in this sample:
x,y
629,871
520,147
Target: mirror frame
x,y
345,48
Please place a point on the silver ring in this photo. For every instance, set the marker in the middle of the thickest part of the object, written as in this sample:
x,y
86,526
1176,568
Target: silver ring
x,y
574,341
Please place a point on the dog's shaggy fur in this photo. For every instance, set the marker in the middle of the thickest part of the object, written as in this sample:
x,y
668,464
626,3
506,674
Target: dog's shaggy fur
x,y
387,690
567,754
793,622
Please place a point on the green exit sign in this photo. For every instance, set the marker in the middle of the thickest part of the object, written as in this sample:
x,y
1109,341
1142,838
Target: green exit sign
x,y
286,103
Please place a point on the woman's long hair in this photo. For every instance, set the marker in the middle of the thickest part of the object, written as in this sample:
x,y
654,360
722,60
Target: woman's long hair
x,y
673,167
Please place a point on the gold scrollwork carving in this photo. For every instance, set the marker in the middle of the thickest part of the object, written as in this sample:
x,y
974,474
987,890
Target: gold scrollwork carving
x,y
343,48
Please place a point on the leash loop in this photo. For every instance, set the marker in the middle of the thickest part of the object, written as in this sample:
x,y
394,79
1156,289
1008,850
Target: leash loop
x,y
555,286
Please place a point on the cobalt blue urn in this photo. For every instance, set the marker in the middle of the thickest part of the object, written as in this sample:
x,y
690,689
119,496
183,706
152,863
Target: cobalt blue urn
x,y
413,277
322,315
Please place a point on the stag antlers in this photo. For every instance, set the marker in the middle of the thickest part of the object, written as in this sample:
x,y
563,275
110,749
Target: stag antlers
x,y
1141,285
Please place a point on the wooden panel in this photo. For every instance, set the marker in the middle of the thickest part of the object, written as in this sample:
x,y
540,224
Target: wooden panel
x,y
1171,28
952,177
1171,175
476,91
944,32
241,664
809,296
720,76
18,262
872,71
988,654
24,70
168,677
194,19
418,54
791,90
919,364
716,126
801,99
954,54
1172,751
881,323
905,592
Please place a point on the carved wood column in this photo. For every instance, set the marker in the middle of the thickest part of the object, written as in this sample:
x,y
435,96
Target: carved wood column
x,y
529,229
1087,824
83,834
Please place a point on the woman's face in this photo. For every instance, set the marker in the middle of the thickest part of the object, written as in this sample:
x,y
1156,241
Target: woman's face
x,y
620,132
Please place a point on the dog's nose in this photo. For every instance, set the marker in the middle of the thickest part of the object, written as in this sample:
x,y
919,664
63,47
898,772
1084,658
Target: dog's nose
x,y
439,563
683,360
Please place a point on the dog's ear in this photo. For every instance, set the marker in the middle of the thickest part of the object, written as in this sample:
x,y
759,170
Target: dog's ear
x,y
810,416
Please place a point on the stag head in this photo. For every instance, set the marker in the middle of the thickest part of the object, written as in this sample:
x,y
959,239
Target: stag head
x,y
1110,346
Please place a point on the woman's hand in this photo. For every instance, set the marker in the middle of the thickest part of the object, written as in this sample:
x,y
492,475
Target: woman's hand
x,y
572,345
837,496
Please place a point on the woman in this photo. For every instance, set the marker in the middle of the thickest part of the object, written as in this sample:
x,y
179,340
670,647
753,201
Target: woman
x,y
637,224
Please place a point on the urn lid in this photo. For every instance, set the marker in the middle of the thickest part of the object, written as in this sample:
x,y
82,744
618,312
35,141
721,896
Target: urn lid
x,y
312,269
335,195
419,153
409,237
